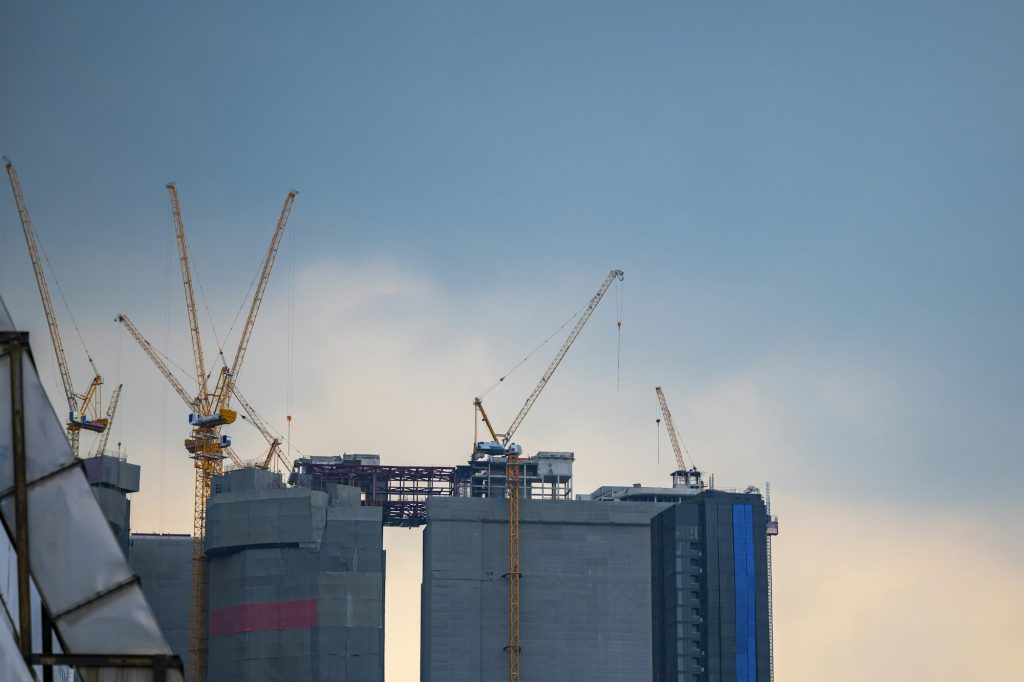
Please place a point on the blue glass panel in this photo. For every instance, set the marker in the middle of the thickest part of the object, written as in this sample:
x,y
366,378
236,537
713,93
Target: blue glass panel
x,y
743,561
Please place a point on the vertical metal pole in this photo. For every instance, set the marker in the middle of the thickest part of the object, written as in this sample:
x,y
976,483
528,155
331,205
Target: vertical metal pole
x,y
47,627
20,498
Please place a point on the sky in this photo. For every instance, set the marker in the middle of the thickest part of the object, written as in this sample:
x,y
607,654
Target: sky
x,y
817,207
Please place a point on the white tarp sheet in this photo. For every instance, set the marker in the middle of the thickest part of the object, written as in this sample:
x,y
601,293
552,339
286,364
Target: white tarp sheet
x,y
76,562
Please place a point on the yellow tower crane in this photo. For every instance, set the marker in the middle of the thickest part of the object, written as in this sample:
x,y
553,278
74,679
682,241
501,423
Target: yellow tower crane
x,y
683,476
154,355
513,478
211,410
79,405
251,415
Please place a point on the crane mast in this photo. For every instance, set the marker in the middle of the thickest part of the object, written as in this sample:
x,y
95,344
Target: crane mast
x,y
207,445
513,477
76,417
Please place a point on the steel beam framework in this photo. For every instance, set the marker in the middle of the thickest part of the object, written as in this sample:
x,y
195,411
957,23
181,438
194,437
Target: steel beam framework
x,y
401,491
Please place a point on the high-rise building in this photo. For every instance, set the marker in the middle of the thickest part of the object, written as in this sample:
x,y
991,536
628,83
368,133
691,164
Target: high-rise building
x,y
710,589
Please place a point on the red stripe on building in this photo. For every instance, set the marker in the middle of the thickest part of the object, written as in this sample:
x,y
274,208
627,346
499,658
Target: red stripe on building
x,y
275,615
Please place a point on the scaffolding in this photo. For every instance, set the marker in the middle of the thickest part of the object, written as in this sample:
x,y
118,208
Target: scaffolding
x,y
545,476
402,491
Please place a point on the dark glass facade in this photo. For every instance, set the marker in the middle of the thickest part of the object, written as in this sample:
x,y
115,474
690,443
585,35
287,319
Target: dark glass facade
x,y
710,589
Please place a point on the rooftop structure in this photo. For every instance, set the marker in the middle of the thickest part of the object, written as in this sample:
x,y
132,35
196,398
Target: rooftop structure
x,y
112,479
402,491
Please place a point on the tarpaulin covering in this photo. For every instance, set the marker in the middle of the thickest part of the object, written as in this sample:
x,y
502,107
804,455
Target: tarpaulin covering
x,y
82,575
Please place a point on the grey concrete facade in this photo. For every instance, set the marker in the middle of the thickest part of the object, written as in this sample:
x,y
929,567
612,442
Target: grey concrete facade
x,y
586,590
164,566
111,480
296,587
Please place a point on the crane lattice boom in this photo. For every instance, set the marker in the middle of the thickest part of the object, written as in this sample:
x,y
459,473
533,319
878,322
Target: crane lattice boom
x,y
76,409
101,447
671,428
228,378
612,276
44,290
202,399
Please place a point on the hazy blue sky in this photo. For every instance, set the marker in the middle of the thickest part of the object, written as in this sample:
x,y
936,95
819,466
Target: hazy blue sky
x,y
817,205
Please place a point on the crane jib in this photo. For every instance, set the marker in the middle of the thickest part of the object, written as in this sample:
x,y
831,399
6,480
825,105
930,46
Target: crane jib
x,y
594,301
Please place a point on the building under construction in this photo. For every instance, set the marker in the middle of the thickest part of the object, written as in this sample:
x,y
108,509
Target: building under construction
x,y
284,580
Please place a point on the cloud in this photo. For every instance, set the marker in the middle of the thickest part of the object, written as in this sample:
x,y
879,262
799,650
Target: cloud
x,y
882,593
875,577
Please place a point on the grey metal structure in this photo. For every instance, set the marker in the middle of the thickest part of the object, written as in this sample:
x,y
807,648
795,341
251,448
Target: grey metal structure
x,y
112,479
296,587
586,590
164,565
94,617
544,476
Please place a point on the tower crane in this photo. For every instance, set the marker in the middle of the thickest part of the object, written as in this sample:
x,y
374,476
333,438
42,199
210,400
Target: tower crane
x,y
511,451
79,406
154,356
682,477
212,410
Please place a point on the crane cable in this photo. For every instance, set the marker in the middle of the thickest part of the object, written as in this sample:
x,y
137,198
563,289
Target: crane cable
x,y
167,340
657,429
290,367
534,351
3,241
618,326
67,307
